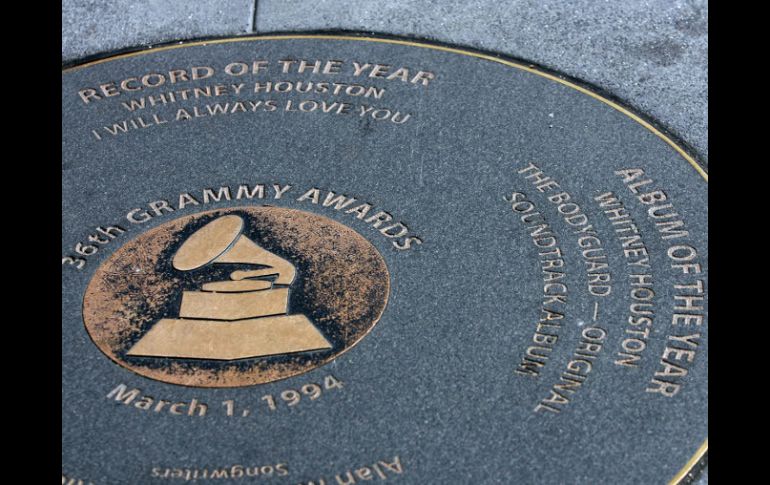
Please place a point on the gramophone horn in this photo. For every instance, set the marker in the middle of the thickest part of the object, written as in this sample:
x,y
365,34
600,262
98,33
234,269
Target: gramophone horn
x,y
208,243
221,241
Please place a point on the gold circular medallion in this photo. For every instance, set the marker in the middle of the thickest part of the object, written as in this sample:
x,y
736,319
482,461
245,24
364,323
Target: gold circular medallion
x,y
236,297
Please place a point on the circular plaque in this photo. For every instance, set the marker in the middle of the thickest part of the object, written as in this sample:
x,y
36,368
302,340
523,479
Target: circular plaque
x,y
339,260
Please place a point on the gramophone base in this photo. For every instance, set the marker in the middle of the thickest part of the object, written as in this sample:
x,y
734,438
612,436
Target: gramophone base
x,y
218,340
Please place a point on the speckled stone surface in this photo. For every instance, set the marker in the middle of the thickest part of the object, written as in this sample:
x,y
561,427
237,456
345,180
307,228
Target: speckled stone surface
x,y
93,26
650,54
435,382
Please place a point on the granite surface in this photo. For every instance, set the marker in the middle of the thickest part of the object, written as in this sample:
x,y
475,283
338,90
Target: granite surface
x,y
94,26
651,55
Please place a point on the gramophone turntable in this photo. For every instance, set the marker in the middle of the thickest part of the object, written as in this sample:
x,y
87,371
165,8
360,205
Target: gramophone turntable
x,y
242,318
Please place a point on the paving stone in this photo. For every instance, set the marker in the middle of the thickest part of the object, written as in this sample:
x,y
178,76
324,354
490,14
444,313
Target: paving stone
x,y
651,54
93,26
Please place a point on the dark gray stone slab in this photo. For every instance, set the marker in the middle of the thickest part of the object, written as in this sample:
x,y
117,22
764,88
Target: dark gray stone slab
x,y
434,383
595,46
652,54
92,26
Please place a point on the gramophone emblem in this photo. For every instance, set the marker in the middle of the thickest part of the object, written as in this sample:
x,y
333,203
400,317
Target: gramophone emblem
x,y
226,320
